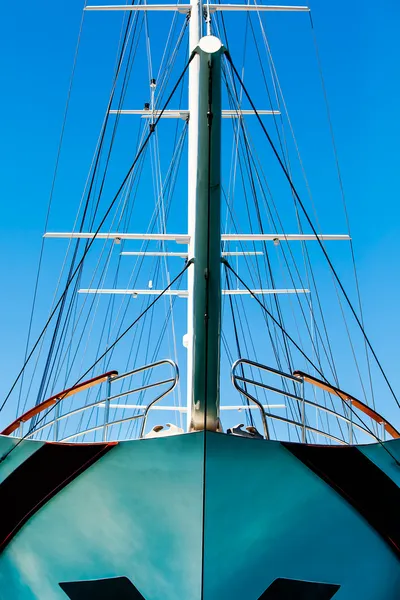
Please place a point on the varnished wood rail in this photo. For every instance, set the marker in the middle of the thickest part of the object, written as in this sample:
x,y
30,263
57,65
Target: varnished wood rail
x,y
80,387
367,410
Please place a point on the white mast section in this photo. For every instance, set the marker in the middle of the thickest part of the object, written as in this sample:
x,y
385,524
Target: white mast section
x,y
195,33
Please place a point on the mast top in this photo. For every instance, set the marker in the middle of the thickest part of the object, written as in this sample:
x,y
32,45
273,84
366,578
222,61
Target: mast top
x,y
210,44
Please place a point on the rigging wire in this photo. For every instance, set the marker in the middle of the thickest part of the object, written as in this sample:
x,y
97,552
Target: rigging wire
x,y
274,344
365,339
239,127
116,341
154,356
303,208
53,183
130,60
284,151
341,186
307,263
79,316
102,276
294,285
271,316
64,263
169,184
313,342
249,415
89,245
42,385
98,148
246,152
170,181
233,95
158,194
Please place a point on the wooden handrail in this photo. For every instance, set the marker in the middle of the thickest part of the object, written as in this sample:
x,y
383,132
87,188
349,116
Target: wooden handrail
x,y
349,398
84,385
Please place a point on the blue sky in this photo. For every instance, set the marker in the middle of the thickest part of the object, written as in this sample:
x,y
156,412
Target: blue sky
x,y
360,58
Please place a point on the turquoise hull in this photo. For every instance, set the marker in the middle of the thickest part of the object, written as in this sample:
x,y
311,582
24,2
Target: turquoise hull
x,y
198,516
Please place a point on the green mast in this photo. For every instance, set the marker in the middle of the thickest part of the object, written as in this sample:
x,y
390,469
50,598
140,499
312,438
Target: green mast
x,y
207,243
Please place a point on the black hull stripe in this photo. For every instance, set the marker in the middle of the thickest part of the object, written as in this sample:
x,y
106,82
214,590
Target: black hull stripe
x,y
284,589
118,588
38,479
357,479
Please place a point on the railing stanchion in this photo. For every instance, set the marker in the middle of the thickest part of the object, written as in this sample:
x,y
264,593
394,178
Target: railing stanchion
x,y
149,407
107,409
303,416
56,420
351,428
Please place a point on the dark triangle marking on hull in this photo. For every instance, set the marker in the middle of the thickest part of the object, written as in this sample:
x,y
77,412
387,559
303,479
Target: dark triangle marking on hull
x,y
357,479
294,589
38,479
120,588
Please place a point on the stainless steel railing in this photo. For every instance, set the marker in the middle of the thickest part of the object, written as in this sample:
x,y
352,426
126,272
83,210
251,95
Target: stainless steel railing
x,y
106,402
300,398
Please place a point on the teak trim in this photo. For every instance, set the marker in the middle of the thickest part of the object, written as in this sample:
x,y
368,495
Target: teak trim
x,y
349,398
84,385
